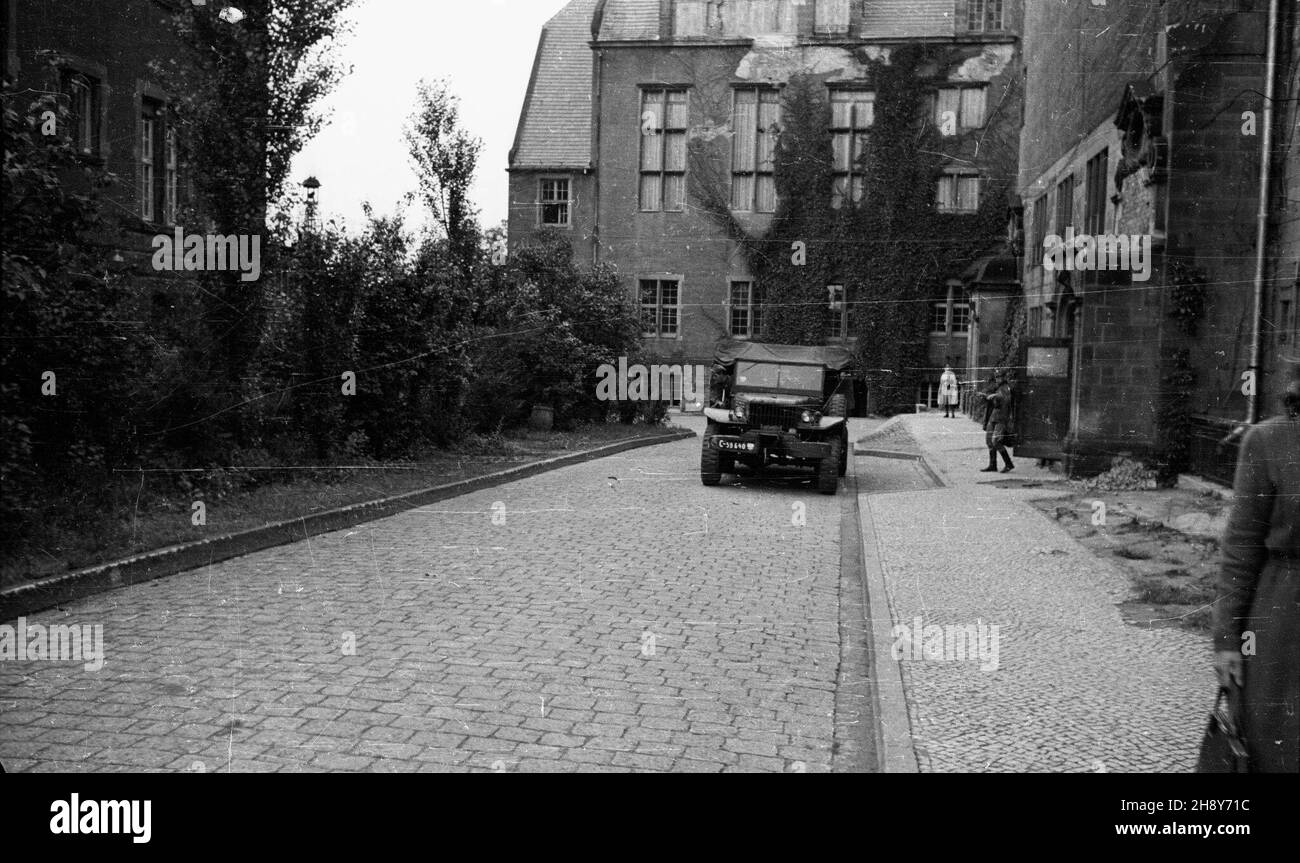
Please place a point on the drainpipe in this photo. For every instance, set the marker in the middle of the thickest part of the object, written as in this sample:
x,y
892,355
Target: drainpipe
x,y
598,70
599,62
1261,226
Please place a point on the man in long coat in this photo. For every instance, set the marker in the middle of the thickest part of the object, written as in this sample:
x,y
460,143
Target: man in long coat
x,y
1257,614
948,392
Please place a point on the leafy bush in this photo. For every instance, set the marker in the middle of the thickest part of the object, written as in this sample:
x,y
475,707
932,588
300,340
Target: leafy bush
x,y
68,368
560,324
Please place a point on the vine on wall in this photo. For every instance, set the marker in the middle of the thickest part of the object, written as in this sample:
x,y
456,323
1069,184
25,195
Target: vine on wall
x,y
1186,291
1173,419
893,250
1187,286
1014,330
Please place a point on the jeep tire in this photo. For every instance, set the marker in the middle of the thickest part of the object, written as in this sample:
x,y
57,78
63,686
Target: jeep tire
x,y
838,406
844,449
710,458
828,476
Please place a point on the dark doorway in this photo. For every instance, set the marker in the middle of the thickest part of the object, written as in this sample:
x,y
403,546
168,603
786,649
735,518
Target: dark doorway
x,y
1043,409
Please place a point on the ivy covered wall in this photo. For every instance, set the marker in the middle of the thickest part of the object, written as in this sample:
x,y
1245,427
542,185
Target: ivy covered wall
x,y
893,252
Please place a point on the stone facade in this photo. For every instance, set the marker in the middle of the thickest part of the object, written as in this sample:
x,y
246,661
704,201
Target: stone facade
x,y
716,55
1145,135
110,48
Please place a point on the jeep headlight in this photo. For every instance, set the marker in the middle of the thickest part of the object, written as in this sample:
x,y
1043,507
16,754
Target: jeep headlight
x,y
738,411
808,417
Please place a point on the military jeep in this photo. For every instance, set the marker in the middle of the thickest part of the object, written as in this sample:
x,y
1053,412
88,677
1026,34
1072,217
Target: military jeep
x,y
778,405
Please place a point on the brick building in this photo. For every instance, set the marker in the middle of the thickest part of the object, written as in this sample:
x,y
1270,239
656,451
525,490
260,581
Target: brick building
x,y
97,55
623,90
1144,120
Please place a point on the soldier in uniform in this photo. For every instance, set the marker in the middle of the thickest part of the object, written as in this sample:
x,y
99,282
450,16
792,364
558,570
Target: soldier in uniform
x,y
997,422
1257,613
720,381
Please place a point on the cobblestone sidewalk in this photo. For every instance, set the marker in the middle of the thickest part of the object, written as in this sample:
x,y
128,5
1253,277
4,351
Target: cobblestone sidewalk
x,y
1075,688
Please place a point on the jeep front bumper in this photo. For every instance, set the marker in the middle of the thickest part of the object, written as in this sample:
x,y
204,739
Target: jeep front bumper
x,y
756,443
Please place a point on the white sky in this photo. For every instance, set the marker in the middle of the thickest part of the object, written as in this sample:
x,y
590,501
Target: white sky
x,y
484,48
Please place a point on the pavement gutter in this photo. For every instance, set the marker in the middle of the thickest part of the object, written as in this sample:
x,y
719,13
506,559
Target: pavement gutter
x,y
59,589
896,752
855,741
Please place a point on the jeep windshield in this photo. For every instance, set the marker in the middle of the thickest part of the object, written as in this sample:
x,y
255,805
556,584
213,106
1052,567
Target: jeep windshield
x,y
773,376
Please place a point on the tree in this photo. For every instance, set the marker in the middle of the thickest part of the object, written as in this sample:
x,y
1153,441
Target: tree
x,y
445,157
563,323
244,97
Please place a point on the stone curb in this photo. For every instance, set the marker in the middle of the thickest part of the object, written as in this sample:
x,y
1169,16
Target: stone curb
x,y
885,453
917,457
58,589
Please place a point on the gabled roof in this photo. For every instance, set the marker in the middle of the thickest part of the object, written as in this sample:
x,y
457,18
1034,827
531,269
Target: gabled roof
x,y
629,19
555,126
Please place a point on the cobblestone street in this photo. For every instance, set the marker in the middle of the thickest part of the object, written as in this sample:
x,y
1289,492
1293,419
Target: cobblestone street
x,y
614,615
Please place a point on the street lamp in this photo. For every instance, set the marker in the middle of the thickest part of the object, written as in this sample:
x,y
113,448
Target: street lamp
x,y
310,221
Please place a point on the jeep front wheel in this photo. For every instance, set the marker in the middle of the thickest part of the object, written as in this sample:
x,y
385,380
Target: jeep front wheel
x,y
844,450
710,459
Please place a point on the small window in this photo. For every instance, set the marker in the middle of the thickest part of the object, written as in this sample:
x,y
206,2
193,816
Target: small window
x,y
755,118
961,317
170,177
852,113
746,309
1064,204
1039,231
82,94
939,318
837,312
689,17
832,16
150,151
659,311
1094,205
1035,326
664,118
554,199
1286,319
748,18
982,15
958,193
959,108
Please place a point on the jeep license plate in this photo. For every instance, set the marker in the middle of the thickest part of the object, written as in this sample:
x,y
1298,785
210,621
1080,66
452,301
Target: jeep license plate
x,y
737,445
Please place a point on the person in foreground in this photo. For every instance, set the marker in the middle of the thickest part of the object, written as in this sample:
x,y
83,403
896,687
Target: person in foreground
x,y
1257,611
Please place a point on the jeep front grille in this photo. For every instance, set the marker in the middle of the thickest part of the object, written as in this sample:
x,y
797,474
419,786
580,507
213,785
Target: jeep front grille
x,y
760,414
